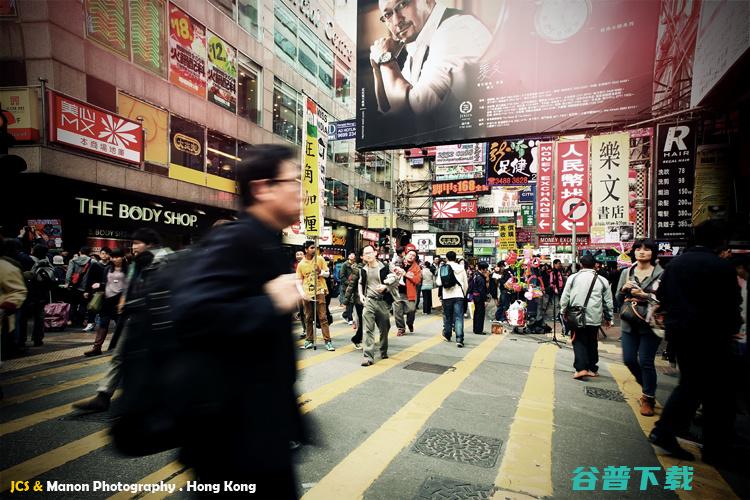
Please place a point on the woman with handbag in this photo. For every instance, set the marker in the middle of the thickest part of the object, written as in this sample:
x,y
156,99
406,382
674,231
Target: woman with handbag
x,y
114,283
636,287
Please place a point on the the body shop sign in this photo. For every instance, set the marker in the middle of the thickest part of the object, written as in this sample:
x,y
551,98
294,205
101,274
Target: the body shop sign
x,y
101,208
75,123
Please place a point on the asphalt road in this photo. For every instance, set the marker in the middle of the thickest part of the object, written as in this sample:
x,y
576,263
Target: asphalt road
x,y
500,417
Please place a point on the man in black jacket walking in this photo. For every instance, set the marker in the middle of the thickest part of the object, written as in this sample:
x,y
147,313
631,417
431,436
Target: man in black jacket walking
x,y
233,312
700,326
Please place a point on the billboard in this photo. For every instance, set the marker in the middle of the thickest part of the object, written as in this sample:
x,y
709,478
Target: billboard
x,y
454,209
610,161
222,73
147,31
497,69
446,242
187,52
459,188
155,127
675,171
107,24
20,109
512,162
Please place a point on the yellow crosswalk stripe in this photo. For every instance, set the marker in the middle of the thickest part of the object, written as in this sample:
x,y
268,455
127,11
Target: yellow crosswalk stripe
x,y
56,371
707,481
350,478
171,470
62,386
527,462
54,458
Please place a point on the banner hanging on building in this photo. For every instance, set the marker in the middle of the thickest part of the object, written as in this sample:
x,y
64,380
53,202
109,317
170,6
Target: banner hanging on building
x,y
610,161
501,201
460,188
506,69
80,125
454,209
311,202
222,73
187,52
675,170
544,194
147,33
573,203
512,162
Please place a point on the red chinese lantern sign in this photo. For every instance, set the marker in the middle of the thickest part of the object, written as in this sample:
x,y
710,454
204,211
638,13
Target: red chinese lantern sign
x,y
572,193
75,123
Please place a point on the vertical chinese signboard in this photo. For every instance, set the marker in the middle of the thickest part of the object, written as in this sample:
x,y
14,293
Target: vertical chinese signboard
x,y
506,236
573,206
610,158
107,24
222,73
147,34
512,162
675,170
544,195
187,52
80,125
20,109
311,206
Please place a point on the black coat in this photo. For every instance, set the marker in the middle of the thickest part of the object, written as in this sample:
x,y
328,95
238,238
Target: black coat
x,y
700,294
244,407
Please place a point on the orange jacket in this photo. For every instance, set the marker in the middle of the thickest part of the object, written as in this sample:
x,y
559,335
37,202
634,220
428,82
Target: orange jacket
x,y
411,283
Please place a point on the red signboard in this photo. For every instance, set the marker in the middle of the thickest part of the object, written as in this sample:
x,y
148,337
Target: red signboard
x,y
544,195
187,52
573,203
462,187
83,126
454,209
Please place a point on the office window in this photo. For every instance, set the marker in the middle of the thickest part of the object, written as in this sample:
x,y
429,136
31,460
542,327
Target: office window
x,y
343,84
248,17
285,32
248,89
228,7
287,112
243,150
337,194
308,52
325,69
221,154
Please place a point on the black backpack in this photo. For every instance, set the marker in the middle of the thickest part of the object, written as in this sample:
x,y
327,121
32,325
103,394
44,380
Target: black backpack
x,y
43,276
447,277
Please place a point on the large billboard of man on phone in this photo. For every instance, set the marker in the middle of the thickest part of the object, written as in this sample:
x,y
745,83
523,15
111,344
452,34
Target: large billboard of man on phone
x,y
439,71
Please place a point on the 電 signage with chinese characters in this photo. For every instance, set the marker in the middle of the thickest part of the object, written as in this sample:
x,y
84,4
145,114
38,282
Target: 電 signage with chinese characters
x,y
675,170
573,204
75,123
610,160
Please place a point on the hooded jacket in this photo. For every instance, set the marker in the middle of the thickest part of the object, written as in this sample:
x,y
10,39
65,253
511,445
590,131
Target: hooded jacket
x,y
76,265
458,291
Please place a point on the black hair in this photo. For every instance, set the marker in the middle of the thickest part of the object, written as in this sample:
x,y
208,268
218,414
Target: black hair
x,y
146,235
399,250
649,244
85,250
711,234
308,244
556,261
587,261
263,163
106,250
484,265
451,256
40,251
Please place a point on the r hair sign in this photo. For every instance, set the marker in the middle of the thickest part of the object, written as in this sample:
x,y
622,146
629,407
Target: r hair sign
x,y
124,211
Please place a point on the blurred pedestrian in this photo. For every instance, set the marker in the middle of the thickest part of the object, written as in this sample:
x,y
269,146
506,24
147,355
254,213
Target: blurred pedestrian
x,y
113,285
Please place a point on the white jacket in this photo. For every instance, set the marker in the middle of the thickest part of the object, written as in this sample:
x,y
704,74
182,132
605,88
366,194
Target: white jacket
x,y
458,291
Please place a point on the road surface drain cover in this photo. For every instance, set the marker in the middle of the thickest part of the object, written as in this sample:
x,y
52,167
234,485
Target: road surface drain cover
x,y
428,367
101,417
459,447
598,393
443,488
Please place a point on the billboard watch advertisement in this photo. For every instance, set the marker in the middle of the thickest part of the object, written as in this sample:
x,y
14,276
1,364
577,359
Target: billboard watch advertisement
x,y
466,70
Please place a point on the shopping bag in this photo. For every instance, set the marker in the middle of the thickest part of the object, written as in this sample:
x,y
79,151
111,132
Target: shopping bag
x,y
56,316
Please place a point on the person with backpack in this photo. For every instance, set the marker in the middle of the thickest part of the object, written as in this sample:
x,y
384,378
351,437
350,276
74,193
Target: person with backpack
x,y
41,284
586,303
377,289
113,285
76,282
452,277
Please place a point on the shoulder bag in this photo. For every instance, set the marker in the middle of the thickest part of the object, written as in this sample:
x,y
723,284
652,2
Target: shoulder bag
x,y
634,312
575,316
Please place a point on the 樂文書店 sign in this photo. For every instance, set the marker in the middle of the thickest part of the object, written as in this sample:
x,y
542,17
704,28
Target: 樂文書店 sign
x,y
83,126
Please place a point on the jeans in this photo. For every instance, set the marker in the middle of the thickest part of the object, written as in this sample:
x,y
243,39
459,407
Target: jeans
x,y
453,317
348,312
503,307
638,353
586,349
480,309
427,301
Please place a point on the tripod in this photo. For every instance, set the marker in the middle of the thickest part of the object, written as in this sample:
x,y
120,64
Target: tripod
x,y
554,339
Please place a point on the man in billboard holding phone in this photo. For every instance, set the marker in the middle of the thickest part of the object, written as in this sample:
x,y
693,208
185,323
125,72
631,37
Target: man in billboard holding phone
x,y
440,44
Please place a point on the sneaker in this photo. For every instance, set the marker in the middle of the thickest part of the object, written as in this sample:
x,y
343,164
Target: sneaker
x,y
358,346
401,332
367,362
89,328
349,322
98,403
307,345
329,346
459,344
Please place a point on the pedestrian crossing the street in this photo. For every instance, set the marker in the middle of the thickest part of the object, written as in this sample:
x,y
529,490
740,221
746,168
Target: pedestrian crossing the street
x,y
501,417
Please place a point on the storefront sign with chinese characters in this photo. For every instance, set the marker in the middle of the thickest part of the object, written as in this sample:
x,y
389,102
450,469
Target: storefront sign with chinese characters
x,y
675,170
425,241
20,109
573,204
187,52
311,204
501,201
512,162
75,123
446,242
610,158
454,209
544,195
527,215
458,188
506,236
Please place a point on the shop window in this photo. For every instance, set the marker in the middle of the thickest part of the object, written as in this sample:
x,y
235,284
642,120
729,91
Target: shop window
x,y
287,112
337,194
343,84
187,140
100,93
221,155
243,150
249,89
308,53
248,17
285,32
228,7
325,69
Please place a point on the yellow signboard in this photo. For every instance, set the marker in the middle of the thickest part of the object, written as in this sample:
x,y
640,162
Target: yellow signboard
x,y
311,212
20,109
154,124
506,239
380,221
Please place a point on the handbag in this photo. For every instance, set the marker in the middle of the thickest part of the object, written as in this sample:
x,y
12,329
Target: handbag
x,y
634,312
575,316
95,304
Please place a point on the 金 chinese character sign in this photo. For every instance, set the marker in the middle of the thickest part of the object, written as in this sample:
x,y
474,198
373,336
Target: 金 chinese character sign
x,y
675,171
511,163
610,160
544,195
454,209
83,126
506,236
573,187
462,187
311,205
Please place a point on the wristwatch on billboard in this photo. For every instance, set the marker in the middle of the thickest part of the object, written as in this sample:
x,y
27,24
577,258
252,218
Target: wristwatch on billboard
x,y
385,57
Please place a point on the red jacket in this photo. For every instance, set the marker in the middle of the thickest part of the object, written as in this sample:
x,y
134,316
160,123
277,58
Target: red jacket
x,y
411,283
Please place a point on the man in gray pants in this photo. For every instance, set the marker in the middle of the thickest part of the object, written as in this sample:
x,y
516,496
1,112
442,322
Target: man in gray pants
x,y
376,290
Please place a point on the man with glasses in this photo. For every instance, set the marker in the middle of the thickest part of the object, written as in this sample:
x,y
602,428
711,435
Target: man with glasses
x,y
313,271
377,287
440,44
